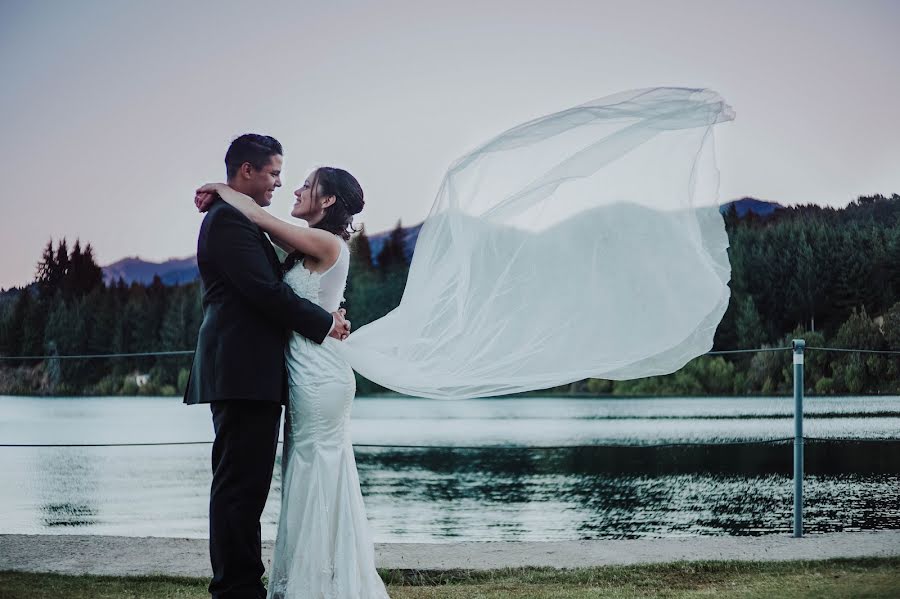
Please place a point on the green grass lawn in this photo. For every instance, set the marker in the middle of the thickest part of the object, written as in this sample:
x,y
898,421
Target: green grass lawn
x,y
858,578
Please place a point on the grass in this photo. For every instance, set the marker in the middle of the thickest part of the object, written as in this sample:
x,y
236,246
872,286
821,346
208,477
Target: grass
x,y
869,577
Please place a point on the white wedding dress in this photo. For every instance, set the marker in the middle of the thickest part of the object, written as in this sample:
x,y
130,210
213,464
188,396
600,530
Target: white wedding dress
x,y
324,548
587,243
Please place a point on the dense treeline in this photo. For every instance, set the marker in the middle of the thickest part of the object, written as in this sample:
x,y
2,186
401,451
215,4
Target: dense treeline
x,y
831,276
69,311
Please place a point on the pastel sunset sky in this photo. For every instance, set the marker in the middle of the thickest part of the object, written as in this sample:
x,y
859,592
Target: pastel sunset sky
x,y
114,112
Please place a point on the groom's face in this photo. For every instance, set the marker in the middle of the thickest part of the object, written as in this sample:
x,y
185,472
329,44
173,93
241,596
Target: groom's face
x,y
263,182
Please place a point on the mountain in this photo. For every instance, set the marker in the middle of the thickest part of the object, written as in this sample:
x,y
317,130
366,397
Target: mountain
x,y
172,272
410,236
184,270
745,206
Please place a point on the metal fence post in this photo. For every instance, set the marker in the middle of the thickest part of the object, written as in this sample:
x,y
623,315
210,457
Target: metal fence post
x,y
798,345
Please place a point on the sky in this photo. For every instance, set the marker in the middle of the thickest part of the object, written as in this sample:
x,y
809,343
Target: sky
x,y
114,112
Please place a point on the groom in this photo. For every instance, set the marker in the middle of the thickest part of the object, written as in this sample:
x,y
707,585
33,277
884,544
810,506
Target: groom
x,y
238,368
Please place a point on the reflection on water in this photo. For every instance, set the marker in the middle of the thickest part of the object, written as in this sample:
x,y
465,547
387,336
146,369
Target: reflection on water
x,y
74,505
581,491
593,493
821,457
68,514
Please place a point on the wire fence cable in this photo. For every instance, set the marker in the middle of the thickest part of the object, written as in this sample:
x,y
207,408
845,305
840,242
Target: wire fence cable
x,y
188,352
484,447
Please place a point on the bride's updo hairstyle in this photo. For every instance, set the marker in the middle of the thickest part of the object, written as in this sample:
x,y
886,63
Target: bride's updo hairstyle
x,y
348,193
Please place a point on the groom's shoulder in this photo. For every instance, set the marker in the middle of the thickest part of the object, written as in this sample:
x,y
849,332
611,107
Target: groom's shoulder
x,y
220,207
219,211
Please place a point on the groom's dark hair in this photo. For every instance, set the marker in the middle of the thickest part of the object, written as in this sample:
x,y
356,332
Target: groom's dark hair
x,y
253,148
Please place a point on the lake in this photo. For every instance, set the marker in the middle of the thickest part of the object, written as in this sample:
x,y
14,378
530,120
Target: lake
x,y
496,469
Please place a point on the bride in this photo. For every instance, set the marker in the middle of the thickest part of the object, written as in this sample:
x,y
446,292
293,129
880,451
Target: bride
x,y
323,546
587,243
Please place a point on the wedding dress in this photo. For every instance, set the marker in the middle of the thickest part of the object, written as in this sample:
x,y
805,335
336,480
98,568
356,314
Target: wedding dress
x,y
323,548
585,243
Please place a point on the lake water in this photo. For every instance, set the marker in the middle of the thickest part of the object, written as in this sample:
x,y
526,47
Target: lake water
x,y
553,468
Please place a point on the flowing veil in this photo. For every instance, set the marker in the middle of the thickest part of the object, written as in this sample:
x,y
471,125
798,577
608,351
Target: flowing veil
x,y
586,243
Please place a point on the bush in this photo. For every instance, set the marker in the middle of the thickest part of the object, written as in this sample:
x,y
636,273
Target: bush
x,y
599,386
706,375
892,327
816,364
129,387
855,372
151,387
768,372
108,385
825,386
739,384
183,375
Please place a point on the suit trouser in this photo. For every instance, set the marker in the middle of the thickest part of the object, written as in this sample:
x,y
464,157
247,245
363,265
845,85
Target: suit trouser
x,y
243,459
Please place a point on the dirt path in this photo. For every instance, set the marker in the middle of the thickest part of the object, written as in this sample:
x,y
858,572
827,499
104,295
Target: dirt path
x,y
72,554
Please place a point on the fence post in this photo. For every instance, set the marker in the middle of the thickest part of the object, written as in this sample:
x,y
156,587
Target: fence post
x,y
798,345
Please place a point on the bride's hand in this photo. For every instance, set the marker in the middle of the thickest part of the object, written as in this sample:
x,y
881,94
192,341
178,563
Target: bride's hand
x,y
242,202
204,199
211,187
206,195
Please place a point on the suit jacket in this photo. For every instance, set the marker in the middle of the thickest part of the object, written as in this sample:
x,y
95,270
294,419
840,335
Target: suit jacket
x,y
248,313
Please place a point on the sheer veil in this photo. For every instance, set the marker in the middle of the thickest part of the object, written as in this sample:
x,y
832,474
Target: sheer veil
x,y
585,243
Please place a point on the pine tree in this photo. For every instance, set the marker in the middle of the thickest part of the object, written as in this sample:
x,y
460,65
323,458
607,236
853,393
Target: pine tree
x,y
46,272
853,273
70,280
16,329
173,337
360,251
60,274
100,322
750,332
91,275
156,296
65,334
393,254
34,323
806,287
892,261
361,280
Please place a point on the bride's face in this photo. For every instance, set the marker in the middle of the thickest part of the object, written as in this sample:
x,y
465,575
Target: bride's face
x,y
304,201
306,206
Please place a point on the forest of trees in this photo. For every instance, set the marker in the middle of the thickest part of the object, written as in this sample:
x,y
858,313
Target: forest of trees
x,y
830,276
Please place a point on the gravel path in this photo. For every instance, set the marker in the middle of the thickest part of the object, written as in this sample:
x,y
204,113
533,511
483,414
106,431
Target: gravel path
x,y
72,554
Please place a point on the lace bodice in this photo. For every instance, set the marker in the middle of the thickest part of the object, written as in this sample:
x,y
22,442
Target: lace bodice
x,y
309,362
325,288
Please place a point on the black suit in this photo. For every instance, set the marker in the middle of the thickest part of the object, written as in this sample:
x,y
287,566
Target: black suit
x,y
248,312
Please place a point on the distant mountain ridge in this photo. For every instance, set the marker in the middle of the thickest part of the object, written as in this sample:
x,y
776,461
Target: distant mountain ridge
x,y
748,205
175,271
410,237
178,271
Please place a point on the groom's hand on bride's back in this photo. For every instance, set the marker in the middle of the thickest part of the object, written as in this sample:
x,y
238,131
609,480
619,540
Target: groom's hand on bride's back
x,y
341,325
